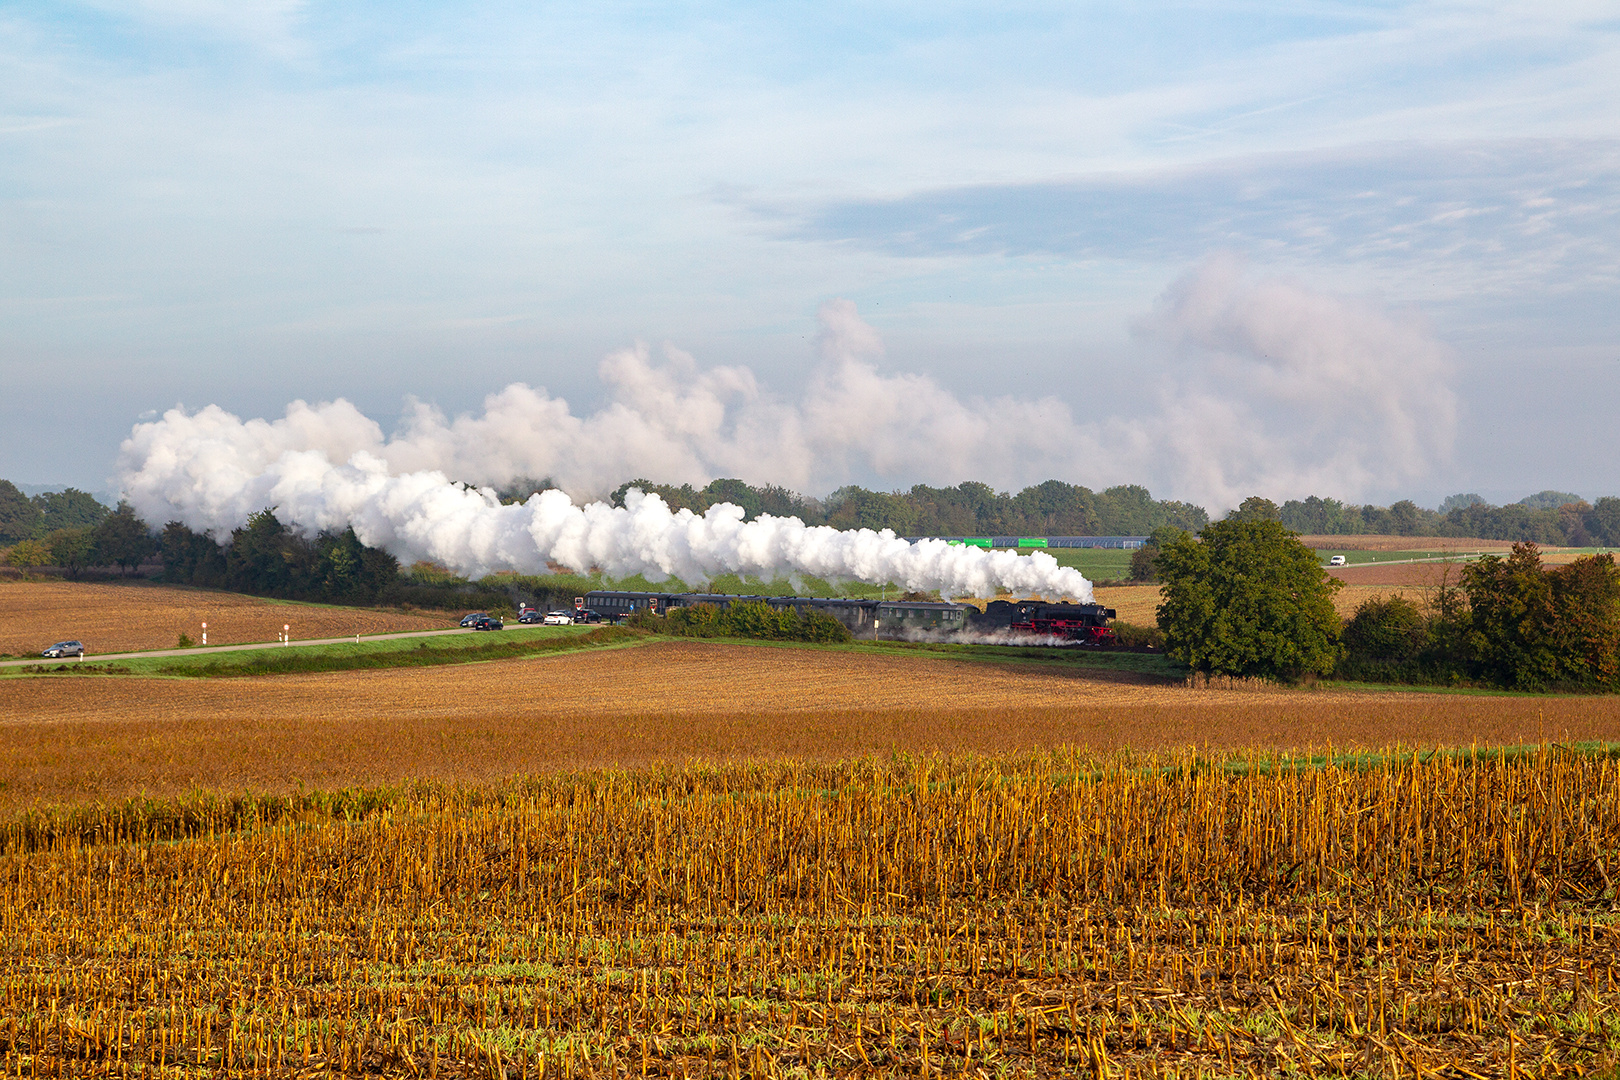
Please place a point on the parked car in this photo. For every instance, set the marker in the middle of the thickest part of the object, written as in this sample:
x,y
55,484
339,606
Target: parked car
x,y
559,618
64,648
468,620
530,615
586,615
1337,560
488,622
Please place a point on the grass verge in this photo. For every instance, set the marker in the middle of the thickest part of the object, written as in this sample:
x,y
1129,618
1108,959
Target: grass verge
x,y
366,655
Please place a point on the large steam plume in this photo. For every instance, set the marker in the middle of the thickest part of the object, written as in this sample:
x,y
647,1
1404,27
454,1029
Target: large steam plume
x,y
422,515
1265,386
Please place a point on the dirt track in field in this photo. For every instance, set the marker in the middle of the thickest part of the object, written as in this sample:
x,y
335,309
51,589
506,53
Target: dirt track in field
x,y
72,739
140,616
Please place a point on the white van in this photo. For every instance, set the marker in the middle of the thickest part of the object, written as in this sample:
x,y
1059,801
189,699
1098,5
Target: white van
x,y
1337,560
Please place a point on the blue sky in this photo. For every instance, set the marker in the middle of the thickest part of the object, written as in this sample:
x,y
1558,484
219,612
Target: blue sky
x,y
243,203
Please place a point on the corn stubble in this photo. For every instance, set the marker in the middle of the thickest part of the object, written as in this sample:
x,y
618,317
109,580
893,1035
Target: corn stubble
x,y
1052,916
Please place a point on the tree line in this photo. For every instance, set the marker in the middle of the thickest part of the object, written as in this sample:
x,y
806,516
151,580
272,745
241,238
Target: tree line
x,y
68,528
1246,598
1056,508
1052,508
1549,518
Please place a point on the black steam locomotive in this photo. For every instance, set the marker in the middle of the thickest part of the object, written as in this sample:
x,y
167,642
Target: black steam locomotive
x,y
1059,624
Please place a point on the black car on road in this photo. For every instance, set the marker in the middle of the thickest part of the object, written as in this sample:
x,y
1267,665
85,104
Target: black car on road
x,y
468,620
488,622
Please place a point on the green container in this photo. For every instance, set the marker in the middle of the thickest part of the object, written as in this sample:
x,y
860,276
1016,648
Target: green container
x,y
1031,542
977,541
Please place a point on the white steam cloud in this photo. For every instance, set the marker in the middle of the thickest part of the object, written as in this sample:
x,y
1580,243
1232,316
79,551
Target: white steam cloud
x,y
423,515
1274,389
1266,387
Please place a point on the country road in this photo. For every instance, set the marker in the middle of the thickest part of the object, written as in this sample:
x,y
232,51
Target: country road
x,y
97,657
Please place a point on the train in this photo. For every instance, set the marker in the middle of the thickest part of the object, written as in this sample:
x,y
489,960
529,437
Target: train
x,y
1020,621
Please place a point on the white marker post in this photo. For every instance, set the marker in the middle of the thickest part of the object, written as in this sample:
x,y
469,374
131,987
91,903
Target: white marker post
x,y
205,633
284,634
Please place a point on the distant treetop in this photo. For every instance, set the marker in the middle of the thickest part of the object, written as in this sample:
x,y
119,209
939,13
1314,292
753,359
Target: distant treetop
x,y
1549,500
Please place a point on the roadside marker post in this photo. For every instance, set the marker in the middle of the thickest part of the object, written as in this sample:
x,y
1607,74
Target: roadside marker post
x,y
205,633
285,635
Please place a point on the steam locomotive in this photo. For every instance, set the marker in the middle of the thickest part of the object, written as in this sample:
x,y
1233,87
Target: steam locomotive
x,y
900,620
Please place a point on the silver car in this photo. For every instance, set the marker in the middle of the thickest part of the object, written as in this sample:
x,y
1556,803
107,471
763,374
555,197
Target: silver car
x,y
64,648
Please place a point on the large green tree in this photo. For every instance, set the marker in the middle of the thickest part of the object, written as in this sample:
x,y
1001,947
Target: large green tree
x,y
1247,598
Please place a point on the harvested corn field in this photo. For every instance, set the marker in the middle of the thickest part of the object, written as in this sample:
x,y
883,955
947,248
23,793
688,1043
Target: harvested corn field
x,y
1139,604
92,738
1010,917
137,616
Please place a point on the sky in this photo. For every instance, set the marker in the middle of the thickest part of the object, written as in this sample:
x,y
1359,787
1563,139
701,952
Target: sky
x,y
1368,251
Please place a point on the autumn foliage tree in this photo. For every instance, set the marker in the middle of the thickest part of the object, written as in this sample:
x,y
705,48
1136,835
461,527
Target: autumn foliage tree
x,y
1534,628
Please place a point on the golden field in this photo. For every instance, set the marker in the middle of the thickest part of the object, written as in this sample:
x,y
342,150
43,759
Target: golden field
x,y
134,616
704,859
1139,604
95,737
1035,916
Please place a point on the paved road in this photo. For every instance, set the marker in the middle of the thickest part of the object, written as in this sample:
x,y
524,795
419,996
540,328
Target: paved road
x,y
96,657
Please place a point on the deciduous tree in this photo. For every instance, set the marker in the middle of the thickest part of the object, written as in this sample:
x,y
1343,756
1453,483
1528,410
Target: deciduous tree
x,y
73,549
19,517
1247,598
1531,628
123,540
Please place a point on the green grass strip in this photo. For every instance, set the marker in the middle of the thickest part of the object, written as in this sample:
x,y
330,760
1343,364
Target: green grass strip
x,y
365,656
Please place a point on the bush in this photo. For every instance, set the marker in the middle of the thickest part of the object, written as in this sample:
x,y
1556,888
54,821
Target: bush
x,y
28,553
1389,640
1386,628
1137,636
745,619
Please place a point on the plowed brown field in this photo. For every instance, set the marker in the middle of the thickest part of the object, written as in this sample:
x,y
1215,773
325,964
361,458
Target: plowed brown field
x,y
1407,575
103,738
135,616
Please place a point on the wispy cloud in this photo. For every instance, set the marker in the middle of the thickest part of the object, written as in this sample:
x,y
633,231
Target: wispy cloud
x,y
271,25
1505,213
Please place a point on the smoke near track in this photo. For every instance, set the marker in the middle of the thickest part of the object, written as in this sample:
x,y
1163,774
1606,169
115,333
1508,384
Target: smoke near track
x,y
425,516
